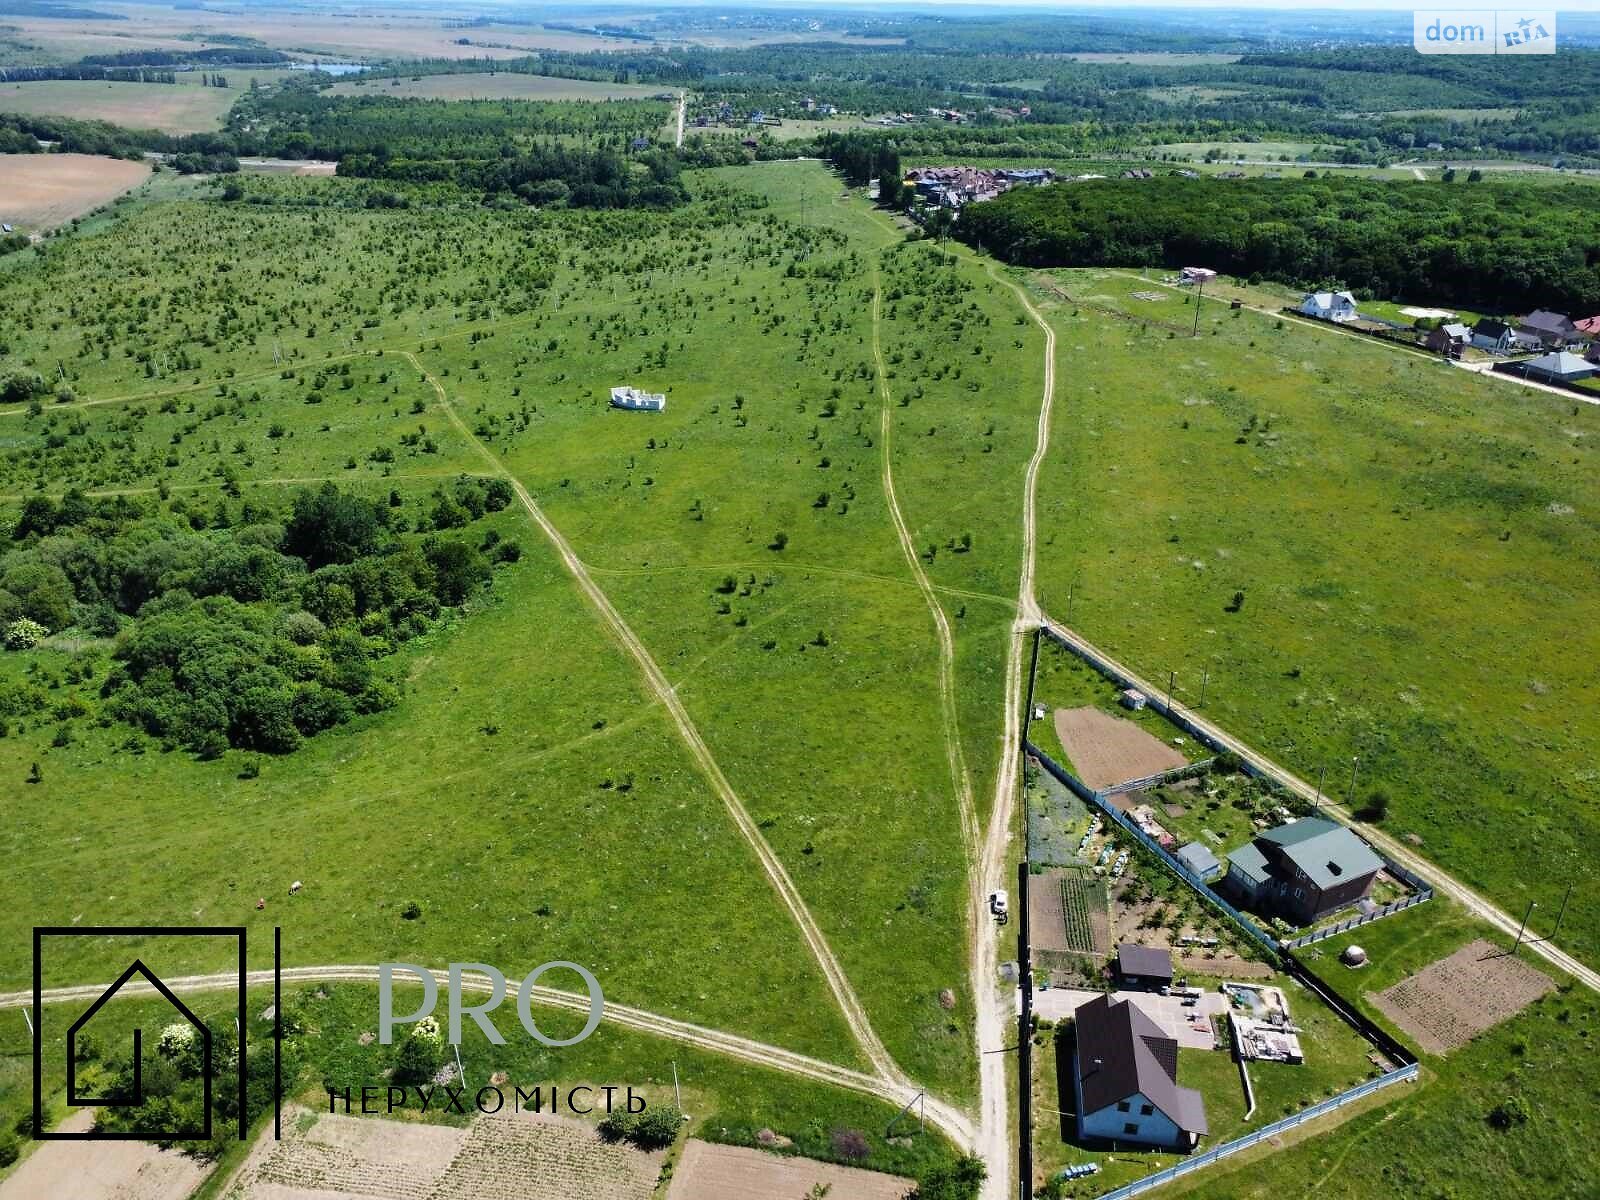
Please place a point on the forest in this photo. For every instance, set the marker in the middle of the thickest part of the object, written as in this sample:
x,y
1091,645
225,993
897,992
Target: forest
x,y
237,623
1494,246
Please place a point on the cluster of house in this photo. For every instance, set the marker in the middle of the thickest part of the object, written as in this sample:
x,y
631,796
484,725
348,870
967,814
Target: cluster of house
x,y
1571,349
1125,1065
952,187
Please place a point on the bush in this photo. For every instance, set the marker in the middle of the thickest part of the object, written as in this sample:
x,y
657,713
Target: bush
x,y
653,1129
10,1151
25,634
1510,1112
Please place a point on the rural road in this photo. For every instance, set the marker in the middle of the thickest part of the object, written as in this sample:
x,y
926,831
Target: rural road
x,y
1442,883
683,102
656,681
948,1119
994,1013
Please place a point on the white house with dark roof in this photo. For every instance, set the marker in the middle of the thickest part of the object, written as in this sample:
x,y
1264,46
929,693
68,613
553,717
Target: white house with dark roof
x,y
1125,1079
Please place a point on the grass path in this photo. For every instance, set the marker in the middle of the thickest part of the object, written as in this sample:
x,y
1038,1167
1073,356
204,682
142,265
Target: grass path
x,y
854,1013
960,779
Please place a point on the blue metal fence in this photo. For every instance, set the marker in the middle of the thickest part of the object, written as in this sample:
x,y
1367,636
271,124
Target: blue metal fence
x,y
1311,1113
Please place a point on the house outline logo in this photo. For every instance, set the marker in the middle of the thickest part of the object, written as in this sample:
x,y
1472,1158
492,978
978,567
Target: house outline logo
x,y
79,1101
140,974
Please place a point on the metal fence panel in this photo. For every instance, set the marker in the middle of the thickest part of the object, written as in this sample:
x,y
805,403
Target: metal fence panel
x,y
1217,1153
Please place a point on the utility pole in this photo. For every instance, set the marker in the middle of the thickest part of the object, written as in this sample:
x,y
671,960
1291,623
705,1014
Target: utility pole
x,y
1201,295
1321,779
1562,913
1355,769
1071,588
1205,677
1532,904
677,1094
1171,676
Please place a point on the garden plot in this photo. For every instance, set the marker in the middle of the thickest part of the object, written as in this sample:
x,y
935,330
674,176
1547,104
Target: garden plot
x,y
1106,750
1445,1005
1067,915
102,1170
710,1172
495,1158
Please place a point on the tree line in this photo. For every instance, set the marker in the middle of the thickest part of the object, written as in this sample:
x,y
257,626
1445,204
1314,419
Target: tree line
x,y
1503,247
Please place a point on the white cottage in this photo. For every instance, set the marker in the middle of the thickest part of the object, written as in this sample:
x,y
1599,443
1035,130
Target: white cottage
x,y
1330,306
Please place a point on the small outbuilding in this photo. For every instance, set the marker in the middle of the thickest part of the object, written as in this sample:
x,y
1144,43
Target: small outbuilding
x,y
635,400
1197,856
1196,275
1144,968
1133,698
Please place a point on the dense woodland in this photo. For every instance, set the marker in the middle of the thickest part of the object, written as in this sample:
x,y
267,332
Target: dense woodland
x,y
235,623
1498,246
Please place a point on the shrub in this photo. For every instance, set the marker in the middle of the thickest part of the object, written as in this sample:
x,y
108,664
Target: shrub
x,y
25,634
851,1144
9,1150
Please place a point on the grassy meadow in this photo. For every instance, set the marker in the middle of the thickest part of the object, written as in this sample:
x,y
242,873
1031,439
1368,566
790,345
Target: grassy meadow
x,y
524,788
1408,544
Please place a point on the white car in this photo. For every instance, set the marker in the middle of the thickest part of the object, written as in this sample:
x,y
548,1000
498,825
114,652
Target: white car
x,y
1000,905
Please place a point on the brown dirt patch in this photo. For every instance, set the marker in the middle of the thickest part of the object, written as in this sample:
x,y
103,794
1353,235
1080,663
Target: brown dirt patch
x,y
1107,750
502,1157
39,191
1447,1004
101,1170
709,1172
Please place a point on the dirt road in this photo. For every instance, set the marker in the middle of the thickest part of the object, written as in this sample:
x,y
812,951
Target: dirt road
x,y
960,779
951,1121
994,1007
854,1013
683,102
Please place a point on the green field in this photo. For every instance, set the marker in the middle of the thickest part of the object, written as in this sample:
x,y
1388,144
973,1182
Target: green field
x,y
1409,543
812,670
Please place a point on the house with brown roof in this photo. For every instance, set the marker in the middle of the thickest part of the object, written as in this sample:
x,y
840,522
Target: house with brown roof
x,y
1125,1079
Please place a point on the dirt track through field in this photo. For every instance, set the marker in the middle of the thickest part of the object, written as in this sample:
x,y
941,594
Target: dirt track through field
x,y
960,779
854,1013
950,1120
